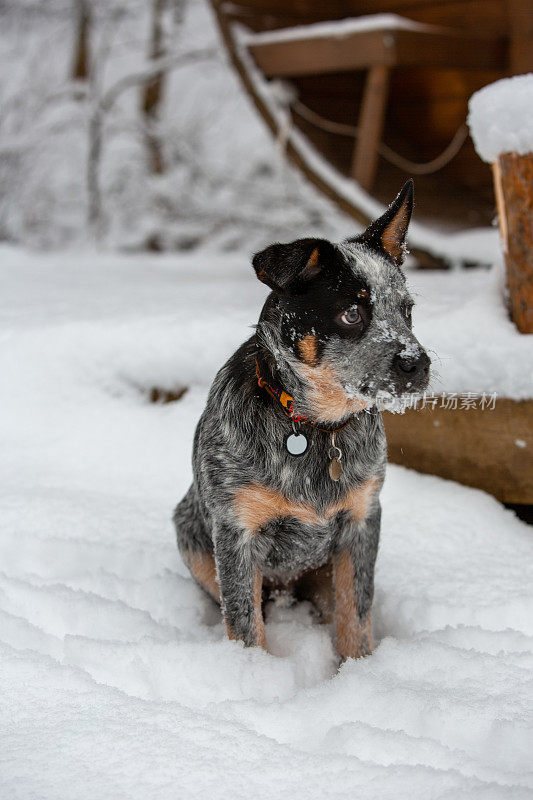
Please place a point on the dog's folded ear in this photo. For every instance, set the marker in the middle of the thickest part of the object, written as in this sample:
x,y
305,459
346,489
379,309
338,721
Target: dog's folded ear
x,y
288,268
388,232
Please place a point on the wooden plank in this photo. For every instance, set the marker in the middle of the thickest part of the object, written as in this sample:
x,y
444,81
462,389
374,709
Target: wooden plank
x,y
491,450
320,55
488,15
323,54
370,126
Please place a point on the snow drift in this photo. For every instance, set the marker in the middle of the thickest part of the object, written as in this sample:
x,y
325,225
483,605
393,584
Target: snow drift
x,y
118,681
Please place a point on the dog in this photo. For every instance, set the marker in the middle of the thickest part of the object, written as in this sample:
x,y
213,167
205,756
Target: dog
x,y
289,454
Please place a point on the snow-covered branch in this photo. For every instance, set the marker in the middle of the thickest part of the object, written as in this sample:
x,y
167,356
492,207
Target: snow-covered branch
x,y
152,69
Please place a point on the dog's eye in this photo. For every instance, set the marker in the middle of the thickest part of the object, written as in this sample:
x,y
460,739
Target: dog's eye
x,y
351,316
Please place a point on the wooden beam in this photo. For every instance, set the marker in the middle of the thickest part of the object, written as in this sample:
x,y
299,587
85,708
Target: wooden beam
x,y
370,126
320,55
488,449
430,47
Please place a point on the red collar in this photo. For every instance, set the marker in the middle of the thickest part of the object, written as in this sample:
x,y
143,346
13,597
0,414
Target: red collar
x,y
287,403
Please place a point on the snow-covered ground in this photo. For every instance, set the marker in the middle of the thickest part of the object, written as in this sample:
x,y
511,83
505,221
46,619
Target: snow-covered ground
x,y
117,680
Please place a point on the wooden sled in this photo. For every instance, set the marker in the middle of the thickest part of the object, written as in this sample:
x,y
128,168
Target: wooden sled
x,y
370,91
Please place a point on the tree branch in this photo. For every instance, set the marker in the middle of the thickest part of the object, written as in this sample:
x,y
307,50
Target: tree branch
x,y
153,69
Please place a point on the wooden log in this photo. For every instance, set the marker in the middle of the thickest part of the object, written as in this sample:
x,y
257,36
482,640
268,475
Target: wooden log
x,y
513,181
488,449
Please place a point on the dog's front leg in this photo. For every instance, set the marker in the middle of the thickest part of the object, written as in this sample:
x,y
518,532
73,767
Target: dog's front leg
x,y
240,587
353,583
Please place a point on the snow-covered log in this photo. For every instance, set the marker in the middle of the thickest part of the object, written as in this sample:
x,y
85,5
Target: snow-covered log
x,y
501,123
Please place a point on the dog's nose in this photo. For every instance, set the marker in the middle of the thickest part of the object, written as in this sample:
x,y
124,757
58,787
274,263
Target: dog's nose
x,y
413,366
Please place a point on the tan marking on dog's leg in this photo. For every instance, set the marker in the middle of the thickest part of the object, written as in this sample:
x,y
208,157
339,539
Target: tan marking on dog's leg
x,y
308,347
260,635
256,505
354,638
202,567
359,500
316,585
259,622
230,632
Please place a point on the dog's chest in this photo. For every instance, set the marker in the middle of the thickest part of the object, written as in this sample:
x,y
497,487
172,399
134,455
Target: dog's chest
x,y
285,548
293,524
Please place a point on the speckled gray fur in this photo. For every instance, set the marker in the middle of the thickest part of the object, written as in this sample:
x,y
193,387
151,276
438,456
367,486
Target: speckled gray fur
x,y
240,440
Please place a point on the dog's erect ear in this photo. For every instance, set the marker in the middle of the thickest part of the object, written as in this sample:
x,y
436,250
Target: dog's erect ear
x,y
388,232
289,267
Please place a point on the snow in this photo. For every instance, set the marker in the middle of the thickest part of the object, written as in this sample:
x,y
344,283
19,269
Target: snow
x,y
225,187
117,678
337,29
501,117
462,319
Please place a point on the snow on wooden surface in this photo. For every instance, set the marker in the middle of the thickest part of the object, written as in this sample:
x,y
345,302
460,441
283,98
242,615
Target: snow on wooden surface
x,y
117,679
501,117
337,29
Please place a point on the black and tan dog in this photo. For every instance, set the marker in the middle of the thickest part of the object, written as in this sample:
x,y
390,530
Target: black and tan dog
x,y
289,454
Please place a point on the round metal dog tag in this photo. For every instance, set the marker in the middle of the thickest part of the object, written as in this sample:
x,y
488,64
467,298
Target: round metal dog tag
x,y
296,444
